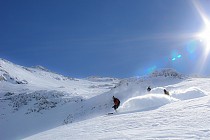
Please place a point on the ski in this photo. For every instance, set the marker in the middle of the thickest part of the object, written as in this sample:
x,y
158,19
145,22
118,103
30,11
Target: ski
x,y
110,113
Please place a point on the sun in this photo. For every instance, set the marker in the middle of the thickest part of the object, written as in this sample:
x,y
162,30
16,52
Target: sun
x,y
204,37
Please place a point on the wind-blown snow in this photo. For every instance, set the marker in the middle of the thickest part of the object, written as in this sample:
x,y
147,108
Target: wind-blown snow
x,y
38,104
146,102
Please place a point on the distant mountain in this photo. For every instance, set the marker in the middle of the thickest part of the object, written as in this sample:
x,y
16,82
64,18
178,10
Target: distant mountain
x,y
167,73
27,92
41,68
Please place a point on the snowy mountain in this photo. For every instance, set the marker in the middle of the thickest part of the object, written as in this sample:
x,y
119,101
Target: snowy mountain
x,y
36,103
34,99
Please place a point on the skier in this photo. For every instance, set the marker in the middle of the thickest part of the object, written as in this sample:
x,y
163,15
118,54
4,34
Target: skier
x,y
149,89
116,103
166,92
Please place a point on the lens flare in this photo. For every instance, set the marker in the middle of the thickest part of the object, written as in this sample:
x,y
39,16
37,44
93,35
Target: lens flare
x,y
151,69
192,47
179,56
176,57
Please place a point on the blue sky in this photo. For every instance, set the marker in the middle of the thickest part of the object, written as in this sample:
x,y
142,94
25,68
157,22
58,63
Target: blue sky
x,y
119,38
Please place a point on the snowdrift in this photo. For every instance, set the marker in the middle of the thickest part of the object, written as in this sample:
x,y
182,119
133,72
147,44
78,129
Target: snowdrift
x,y
146,102
190,93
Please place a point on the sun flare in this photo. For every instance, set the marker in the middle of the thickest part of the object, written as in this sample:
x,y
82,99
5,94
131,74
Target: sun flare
x,y
204,37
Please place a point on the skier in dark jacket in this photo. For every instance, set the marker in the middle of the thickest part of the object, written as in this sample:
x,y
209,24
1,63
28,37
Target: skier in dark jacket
x,y
116,103
166,92
149,89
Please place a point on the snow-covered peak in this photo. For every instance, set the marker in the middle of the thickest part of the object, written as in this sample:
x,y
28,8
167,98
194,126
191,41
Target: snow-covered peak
x,y
38,75
101,79
167,73
11,73
41,68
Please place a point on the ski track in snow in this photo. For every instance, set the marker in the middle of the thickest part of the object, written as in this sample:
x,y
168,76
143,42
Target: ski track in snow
x,y
38,104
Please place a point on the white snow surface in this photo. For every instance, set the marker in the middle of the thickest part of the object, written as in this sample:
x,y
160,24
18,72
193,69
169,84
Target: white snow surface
x,y
37,104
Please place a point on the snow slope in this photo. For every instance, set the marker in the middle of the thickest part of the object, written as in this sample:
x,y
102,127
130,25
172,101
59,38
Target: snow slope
x,y
178,120
142,115
34,99
183,115
45,105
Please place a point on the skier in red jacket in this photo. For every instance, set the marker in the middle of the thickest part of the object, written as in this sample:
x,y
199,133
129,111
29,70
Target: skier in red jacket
x,y
116,103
